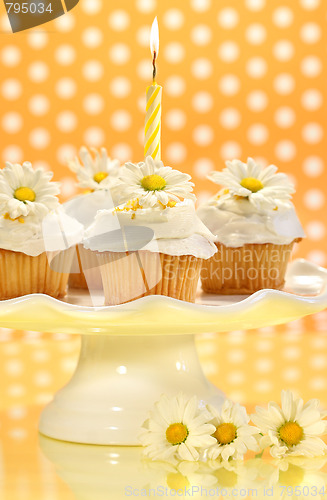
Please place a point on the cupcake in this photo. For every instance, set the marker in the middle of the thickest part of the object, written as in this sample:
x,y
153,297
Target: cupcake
x,y
97,174
255,225
153,244
37,239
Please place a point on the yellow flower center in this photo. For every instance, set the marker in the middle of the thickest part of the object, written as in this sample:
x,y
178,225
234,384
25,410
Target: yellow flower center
x,y
176,481
225,433
176,433
153,182
293,476
24,194
252,184
99,176
291,433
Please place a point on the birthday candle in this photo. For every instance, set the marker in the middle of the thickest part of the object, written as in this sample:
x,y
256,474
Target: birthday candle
x,y
152,139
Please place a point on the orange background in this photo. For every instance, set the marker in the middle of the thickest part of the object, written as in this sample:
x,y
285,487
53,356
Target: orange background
x,y
240,78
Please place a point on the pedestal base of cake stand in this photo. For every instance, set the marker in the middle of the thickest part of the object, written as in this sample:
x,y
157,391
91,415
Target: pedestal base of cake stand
x,y
117,380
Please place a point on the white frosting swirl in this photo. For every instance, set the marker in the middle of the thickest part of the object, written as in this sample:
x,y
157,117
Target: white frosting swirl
x,y
173,230
237,222
85,206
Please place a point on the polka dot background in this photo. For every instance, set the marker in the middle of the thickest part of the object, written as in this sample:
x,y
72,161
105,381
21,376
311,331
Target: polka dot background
x,y
240,78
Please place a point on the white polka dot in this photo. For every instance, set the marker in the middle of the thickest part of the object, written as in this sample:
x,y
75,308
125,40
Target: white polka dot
x,y
318,257
175,119
37,39
284,84
68,187
39,105
66,88
122,151
229,51
14,367
11,89
92,37
230,150
255,5
201,68
203,135
65,55
42,379
92,71
313,166
312,133
119,20
200,5
16,390
39,138
202,102
257,134
236,377
12,122
120,54
66,152
174,52
285,117
17,412
263,365
318,362
285,150
121,120
175,86
283,17
310,4
65,23
38,71
120,87
312,99
10,56
230,118
201,35
94,136
255,34
146,6
310,33
318,383
12,153
144,70
91,6
315,230
176,152
236,356
291,353
17,434
40,356
143,35
256,67
228,18
283,50
66,121
203,166
173,19
314,199
311,66
257,100
43,398
291,374
93,104
229,84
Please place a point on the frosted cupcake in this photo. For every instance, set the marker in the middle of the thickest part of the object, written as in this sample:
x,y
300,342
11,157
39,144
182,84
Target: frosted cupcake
x,y
37,239
255,225
98,175
154,244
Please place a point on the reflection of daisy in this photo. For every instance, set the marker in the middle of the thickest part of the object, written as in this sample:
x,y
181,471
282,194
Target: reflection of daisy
x,y
292,429
24,191
233,436
151,182
97,171
249,180
176,428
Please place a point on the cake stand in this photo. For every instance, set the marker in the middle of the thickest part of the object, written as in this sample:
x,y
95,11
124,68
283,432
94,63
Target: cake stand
x,y
134,352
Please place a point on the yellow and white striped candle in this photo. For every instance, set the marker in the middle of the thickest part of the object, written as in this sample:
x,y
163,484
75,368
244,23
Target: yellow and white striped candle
x,y
152,137
152,140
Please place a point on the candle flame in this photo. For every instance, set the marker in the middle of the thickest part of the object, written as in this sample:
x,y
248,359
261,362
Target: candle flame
x,y
154,38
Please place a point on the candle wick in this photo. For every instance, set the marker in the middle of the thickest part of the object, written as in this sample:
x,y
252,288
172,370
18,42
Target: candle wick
x,y
154,74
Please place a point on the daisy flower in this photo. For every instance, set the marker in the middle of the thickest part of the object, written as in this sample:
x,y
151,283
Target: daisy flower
x,y
151,183
176,428
233,436
97,170
293,429
262,187
25,191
